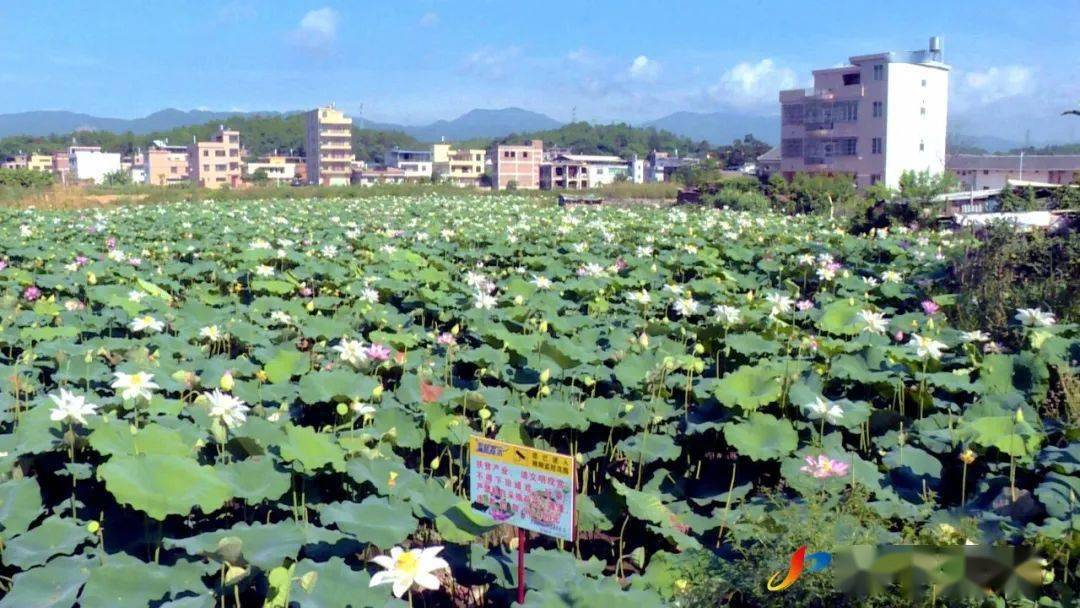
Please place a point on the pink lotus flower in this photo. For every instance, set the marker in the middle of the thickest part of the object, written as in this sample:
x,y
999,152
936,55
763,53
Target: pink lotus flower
x,y
620,265
306,291
377,353
446,339
31,293
110,243
3,264
81,260
899,336
930,307
824,467
804,305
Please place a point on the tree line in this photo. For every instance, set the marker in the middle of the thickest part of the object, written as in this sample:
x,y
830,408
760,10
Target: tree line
x,y
286,134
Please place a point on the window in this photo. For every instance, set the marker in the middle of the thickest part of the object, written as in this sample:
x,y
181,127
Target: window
x,y
878,108
791,148
879,72
524,155
922,111
850,79
922,146
924,82
792,114
875,178
875,145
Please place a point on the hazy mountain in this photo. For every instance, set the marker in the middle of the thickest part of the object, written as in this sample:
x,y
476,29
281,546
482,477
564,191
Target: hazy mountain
x,y
719,128
482,124
46,122
471,125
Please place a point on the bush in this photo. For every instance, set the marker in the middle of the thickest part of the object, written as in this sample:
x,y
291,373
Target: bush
x,y
738,199
1013,269
25,178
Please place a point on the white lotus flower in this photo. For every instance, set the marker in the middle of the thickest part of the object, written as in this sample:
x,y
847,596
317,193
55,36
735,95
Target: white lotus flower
x,y
231,411
541,282
926,347
139,384
71,407
686,307
280,316
781,304
145,323
729,315
1033,317
262,270
890,276
484,301
641,297
352,352
875,322
974,336
136,296
212,333
404,569
370,295
823,408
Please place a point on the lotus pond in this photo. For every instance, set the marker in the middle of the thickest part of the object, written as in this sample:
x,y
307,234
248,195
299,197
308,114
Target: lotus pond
x,y
268,403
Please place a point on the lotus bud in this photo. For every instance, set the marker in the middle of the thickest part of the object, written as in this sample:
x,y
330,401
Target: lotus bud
x,y
682,584
543,326
629,407
643,340
342,409
455,329
435,462
699,349
579,458
227,383
91,278
545,390
1019,415
518,300
588,380
699,366
392,481
377,391
545,376
93,527
485,414
310,306
260,375
88,357
967,456
234,573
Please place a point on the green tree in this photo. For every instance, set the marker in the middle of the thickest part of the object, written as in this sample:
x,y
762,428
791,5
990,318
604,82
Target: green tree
x,y
25,178
117,178
259,177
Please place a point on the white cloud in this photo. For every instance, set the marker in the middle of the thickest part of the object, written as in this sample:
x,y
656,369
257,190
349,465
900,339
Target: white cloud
x,y
429,19
751,84
999,82
644,68
317,29
490,63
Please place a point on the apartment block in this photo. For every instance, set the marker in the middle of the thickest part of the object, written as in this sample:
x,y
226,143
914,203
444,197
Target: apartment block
x,y
518,165
416,165
61,164
329,147
582,171
991,171
279,168
216,163
39,162
89,163
873,119
18,161
165,164
458,167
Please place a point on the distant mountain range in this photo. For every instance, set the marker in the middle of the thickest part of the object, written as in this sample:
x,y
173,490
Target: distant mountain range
x,y
717,128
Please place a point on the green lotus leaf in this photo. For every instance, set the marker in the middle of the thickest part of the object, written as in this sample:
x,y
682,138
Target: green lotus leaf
x,y
118,437
126,582
311,450
381,522
462,523
52,537
162,485
20,505
54,585
762,437
284,365
749,387
334,581
255,480
649,448
261,545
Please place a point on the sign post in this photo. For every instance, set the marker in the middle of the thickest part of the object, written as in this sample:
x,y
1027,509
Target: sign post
x,y
524,487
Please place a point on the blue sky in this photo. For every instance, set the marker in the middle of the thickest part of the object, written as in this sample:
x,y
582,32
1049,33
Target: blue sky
x,y
414,62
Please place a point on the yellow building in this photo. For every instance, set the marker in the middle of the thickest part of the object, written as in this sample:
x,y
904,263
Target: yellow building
x,y
459,167
329,147
40,162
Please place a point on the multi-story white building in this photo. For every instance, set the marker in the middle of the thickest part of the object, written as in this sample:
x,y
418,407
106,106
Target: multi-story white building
x,y
416,165
89,163
329,147
873,119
